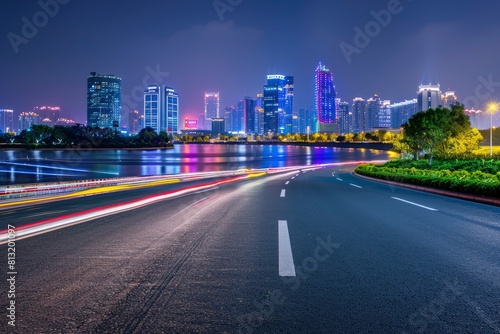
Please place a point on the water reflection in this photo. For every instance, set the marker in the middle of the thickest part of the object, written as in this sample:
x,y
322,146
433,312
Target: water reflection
x,y
48,166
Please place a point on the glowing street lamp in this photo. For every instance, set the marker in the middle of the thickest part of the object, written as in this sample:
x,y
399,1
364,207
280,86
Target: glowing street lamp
x,y
492,108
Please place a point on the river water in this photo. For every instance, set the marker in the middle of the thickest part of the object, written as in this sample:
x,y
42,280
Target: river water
x,y
20,166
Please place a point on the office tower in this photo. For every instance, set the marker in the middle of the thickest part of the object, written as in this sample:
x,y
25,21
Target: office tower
x,y
48,112
172,110
218,126
372,110
308,120
383,117
249,115
358,115
6,120
448,99
238,117
259,114
161,109
402,111
201,121
278,104
135,120
429,96
288,109
344,116
104,100
211,108
325,95
154,107
229,113
27,119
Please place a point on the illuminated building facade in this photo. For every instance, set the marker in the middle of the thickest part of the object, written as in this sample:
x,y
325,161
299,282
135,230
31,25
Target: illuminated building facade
x,y
278,104
212,108
104,100
190,124
161,109
48,112
6,120
135,121
428,96
27,119
325,95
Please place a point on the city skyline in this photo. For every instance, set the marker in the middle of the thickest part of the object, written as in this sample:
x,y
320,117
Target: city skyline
x,y
403,50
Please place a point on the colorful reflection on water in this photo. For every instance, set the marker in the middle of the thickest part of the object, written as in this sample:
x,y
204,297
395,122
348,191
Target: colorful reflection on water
x,y
49,166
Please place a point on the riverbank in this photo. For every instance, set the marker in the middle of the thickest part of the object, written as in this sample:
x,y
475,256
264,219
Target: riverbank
x,y
29,148
360,145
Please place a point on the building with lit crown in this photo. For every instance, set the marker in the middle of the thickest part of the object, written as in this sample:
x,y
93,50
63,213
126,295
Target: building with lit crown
x,y
428,96
48,112
104,100
212,108
27,119
161,109
277,102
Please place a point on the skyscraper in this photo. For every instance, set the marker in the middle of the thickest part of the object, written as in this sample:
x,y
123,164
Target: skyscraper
x,y
104,100
161,109
6,120
344,116
358,115
278,104
211,108
27,119
288,109
372,110
135,121
48,112
172,110
448,99
402,111
429,96
325,95
249,115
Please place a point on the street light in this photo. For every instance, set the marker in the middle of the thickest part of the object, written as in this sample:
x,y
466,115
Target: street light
x,y
492,108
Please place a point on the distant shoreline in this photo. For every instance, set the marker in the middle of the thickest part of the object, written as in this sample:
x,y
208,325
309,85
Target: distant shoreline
x,y
371,146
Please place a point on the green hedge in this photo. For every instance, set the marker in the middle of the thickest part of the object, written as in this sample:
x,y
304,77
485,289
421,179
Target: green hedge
x,y
475,182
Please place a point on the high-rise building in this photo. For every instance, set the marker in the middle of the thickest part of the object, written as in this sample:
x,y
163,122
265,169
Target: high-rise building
x,y
27,119
402,111
358,115
259,115
308,121
371,113
448,99
104,100
172,110
288,109
325,95
135,121
6,120
218,126
211,108
249,115
277,99
429,96
161,109
229,114
344,116
48,112
383,117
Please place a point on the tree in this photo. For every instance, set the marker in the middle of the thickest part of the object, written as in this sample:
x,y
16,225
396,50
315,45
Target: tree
x,y
431,130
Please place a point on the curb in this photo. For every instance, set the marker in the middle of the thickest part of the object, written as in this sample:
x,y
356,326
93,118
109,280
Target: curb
x,y
435,191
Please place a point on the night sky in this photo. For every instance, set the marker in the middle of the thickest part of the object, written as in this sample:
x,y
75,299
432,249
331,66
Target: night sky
x,y
231,50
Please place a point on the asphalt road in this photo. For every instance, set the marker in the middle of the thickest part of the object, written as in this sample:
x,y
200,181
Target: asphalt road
x,y
367,258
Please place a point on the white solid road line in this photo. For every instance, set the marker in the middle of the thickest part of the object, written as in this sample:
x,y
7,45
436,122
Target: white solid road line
x,y
286,266
421,206
283,191
287,182
355,185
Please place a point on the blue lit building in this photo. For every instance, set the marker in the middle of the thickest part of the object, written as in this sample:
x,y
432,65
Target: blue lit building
x,y
325,95
161,109
278,104
104,94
